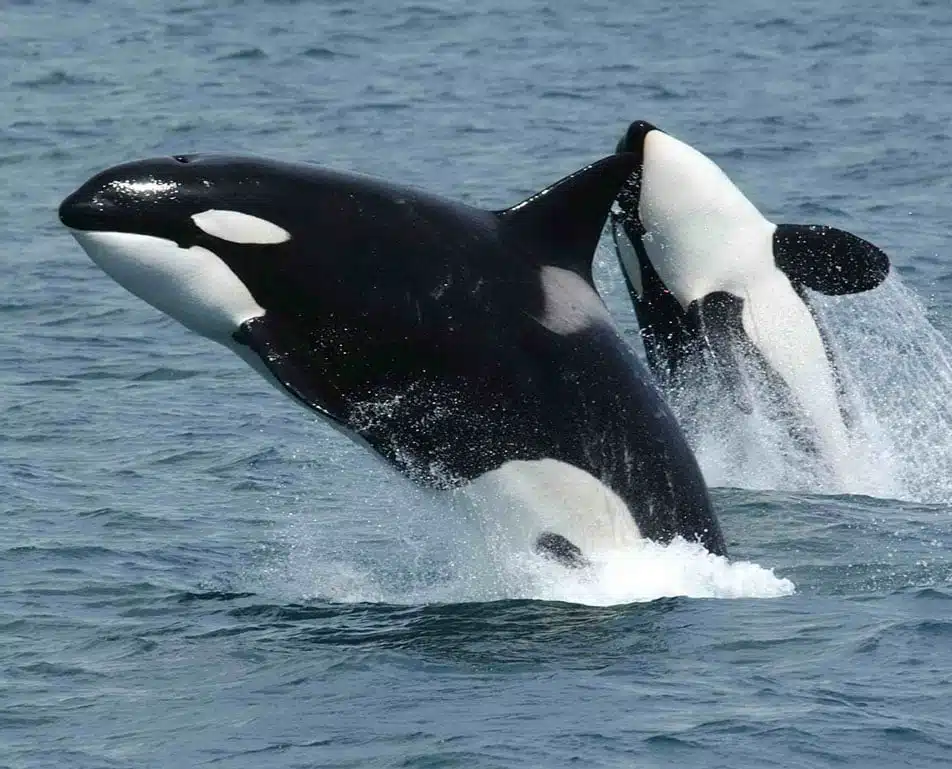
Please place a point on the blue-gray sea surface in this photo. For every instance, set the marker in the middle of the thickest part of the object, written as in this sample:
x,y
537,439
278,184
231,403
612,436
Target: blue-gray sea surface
x,y
195,572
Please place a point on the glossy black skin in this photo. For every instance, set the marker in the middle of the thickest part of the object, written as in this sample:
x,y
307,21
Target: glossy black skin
x,y
709,333
413,321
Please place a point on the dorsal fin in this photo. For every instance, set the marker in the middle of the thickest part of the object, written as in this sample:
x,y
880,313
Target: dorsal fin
x,y
567,218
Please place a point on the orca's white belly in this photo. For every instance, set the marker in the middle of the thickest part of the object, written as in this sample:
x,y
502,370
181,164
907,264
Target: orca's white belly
x,y
523,499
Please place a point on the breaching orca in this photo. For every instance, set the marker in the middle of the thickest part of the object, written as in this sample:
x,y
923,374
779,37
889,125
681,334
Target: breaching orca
x,y
715,285
467,347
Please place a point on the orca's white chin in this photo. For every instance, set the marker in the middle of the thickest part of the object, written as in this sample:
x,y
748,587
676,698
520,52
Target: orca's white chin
x,y
702,233
191,285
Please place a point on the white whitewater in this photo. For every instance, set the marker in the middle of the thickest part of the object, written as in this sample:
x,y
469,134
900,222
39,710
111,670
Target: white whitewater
x,y
896,372
439,553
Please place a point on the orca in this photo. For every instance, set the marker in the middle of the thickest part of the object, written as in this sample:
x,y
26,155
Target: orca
x,y
719,288
468,348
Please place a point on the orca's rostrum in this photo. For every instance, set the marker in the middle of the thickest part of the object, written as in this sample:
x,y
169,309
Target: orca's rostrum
x,y
466,347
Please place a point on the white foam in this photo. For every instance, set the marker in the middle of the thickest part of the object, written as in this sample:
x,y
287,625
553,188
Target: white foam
x,y
646,573
436,553
642,573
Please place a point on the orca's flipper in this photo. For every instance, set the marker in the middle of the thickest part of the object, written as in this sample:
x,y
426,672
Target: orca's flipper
x,y
568,217
828,260
558,548
284,350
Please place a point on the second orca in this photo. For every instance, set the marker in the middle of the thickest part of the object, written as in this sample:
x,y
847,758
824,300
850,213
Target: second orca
x,y
716,286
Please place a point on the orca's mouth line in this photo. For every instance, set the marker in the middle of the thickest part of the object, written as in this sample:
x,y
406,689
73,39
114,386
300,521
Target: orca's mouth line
x,y
82,211
90,215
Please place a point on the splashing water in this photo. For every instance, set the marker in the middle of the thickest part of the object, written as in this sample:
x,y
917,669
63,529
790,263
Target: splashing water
x,y
645,572
443,555
895,370
898,369
642,574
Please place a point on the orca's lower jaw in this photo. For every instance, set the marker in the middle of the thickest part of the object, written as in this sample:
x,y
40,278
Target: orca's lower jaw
x,y
197,288
192,285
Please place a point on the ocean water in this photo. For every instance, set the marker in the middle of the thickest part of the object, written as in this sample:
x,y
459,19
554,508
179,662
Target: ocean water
x,y
193,572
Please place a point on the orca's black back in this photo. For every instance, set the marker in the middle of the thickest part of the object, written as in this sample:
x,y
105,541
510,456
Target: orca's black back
x,y
454,381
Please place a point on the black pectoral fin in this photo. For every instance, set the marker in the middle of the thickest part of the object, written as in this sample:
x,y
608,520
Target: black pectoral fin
x,y
717,317
558,548
285,352
828,260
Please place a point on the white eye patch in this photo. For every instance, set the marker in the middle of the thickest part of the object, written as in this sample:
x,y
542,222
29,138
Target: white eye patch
x,y
237,227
